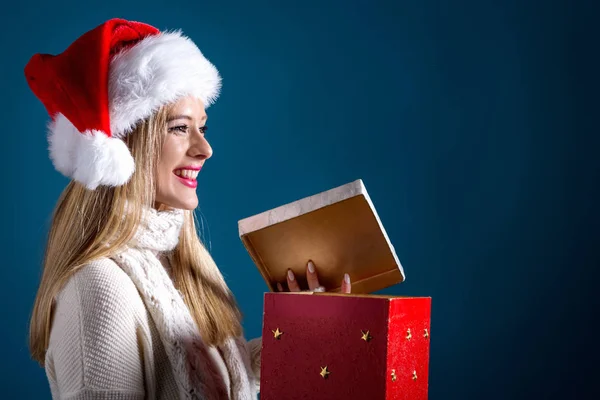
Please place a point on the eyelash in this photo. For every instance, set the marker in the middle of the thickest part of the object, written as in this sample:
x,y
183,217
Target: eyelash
x,y
184,128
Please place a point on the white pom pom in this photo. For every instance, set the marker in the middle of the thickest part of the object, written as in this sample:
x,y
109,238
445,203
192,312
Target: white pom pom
x,y
90,158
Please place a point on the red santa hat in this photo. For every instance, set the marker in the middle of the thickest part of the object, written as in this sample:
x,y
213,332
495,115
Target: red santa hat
x,y
104,84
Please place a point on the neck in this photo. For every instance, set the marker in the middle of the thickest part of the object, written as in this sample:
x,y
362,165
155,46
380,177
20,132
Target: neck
x,y
162,207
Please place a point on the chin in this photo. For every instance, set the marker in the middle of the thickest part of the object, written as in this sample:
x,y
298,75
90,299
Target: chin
x,y
187,205
180,203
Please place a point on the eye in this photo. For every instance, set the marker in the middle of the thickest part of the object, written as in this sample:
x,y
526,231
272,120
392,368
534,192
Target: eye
x,y
203,129
179,129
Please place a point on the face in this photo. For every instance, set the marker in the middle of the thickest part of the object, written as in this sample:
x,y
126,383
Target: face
x,y
183,154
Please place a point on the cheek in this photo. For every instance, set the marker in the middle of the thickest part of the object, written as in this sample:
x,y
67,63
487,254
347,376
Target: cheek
x,y
167,163
172,152
169,190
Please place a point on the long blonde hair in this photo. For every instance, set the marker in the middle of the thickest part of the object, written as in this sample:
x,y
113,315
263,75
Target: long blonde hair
x,y
87,225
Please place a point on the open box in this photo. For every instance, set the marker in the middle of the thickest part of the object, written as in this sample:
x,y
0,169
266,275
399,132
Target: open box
x,y
332,345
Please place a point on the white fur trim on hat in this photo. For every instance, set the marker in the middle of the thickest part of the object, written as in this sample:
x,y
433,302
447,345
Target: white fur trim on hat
x,y
91,158
154,72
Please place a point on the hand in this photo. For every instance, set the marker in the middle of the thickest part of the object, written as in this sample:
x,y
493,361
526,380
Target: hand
x,y
313,281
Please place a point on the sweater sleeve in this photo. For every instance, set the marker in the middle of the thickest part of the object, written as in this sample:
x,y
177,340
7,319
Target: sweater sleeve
x,y
94,352
254,349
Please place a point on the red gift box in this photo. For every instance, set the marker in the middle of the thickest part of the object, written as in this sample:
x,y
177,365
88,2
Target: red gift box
x,y
331,345
334,346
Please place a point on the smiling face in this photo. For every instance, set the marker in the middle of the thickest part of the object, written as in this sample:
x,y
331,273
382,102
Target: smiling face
x,y
183,154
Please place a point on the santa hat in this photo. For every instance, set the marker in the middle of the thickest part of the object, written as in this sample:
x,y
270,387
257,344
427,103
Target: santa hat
x,y
104,84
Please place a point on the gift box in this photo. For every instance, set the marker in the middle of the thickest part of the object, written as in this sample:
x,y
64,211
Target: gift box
x,y
332,345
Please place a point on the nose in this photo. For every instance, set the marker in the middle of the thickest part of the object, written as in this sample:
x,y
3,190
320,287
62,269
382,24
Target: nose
x,y
200,148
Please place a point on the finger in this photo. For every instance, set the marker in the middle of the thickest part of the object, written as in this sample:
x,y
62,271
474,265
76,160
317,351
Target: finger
x,y
279,287
292,282
346,285
311,276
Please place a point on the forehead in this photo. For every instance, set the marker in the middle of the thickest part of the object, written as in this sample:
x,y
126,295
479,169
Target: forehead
x,y
188,106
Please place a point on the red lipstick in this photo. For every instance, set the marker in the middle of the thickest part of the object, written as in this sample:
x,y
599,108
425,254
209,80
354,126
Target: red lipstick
x,y
192,183
192,167
188,181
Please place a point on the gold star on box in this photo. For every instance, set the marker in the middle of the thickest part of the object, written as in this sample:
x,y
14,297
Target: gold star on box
x,y
426,334
394,375
277,334
365,336
324,373
408,334
414,375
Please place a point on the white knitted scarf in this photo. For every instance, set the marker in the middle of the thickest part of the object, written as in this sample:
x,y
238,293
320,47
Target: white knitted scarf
x,y
195,371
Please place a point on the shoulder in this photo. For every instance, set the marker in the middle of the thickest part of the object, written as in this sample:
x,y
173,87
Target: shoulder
x,y
100,294
102,283
103,277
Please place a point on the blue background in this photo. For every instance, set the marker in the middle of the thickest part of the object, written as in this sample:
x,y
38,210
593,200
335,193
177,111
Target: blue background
x,y
472,123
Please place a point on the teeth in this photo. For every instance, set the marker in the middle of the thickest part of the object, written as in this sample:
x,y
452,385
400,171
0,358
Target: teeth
x,y
187,173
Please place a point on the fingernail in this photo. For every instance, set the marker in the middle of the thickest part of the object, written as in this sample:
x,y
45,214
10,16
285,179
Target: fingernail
x,y
279,287
311,267
291,275
347,278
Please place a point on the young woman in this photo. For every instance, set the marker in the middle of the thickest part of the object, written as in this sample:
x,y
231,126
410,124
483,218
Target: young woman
x,y
131,305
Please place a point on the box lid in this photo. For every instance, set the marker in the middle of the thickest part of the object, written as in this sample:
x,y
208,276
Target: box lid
x,y
339,230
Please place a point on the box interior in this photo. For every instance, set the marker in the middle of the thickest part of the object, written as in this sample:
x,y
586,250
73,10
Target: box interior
x,y
344,237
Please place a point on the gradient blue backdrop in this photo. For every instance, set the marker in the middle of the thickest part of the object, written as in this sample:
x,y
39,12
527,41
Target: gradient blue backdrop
x,y
462,119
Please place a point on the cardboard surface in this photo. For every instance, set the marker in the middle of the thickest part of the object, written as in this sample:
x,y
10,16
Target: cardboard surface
x,y
339,230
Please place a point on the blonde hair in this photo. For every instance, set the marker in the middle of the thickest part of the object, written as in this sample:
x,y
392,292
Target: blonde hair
x,y
87,225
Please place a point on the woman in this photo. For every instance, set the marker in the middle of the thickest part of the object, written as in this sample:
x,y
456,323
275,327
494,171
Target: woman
x,y
131,304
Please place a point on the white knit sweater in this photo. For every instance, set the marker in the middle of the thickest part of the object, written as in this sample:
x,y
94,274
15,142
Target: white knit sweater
x,y
121,331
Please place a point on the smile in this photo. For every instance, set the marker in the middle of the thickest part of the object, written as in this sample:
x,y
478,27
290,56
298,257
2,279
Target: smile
x,y
187,173
187,176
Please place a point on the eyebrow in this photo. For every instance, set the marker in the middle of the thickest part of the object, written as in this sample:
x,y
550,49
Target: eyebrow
x,y
183,116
